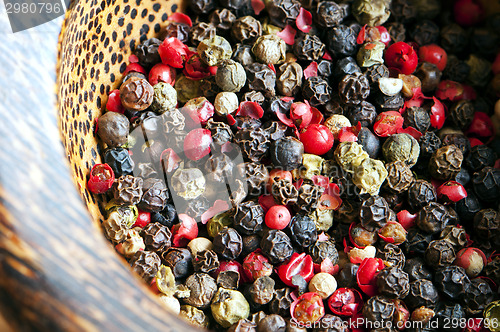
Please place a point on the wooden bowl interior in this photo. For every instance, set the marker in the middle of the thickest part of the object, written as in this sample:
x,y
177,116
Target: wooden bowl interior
x,y
94,46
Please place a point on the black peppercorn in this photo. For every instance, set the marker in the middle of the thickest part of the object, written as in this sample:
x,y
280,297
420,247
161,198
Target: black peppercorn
x,y
321,250
222,19
393,282
477,296
281,302
284,192
202,289
178,30
434,217
228,243
393,255
399,176
422,293
379,309
487,225
256,176
480,156
341,41
374,212
156,237
282,12
325,68
271,323
243,325
113,129
179,260
416,269
452,281
416,241
276,130
262,290
243,54
261,78
145,264
429,143
202,31
289,78
345,66
486,184
127,190
462,113
425,32
276,245
255,96
439,253
467,208
397,31
388,103
347,276
249,218
417,118
202,6
364,113
206,261
369,141
246,29
453,38
329,14
420,193
308,47
119,160
287,153
448,312
155,195
456,138
316,90
492,269
136,94
456,70
147,52
254,143
354,88
309,196
303,230
456,235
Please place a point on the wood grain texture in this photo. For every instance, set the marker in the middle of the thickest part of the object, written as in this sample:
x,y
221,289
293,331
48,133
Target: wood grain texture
x,y
57,272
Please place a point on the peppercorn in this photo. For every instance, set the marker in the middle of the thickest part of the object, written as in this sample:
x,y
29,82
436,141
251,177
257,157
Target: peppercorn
x,y
308,47
349,155
303,230
375,73
393,282
374,212
456,235
202,289
269,49
308,197
119,160
329,14
249,218
397,31
399,176
188,183
282,12
480,156
452,281
145,264
341,41
346,278
205,261
378,309
113,129
127,190
222,19
199,244
276,130
271,323
243,54
316,90
229,306
486,184
281,302
287,153
420,193
213,50
422,293
445,163
261,78
416,241
156,237
276,245
255,96
179,260
416,269
371,54
230,76
289,78
418,118
246,29
194,316
115,227
155,195
449,312
369,142
434,217
393,232
353,89
363,112
136,94
487,224
195,207
439,253
131,243
401,147
388,103
392,255
228,243
254,143
477,296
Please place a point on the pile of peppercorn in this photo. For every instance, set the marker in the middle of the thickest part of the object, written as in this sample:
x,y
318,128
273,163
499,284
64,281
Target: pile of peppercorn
x,y
298,165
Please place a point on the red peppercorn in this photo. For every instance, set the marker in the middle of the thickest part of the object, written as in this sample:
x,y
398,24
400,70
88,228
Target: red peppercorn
x,y
438,114
388,123
434,54
233,266
173,52
317,139
345,302
114,103
169,160
278,174
184,231
406,219
256,265
267,202
307,308
472,260
101,178
250,109
468,12
143,219
301,114
162,73
301,264
195,69
495,67
278,217
451,192
385,36
366,275
198,111
134,67
401,57
481,126
197,143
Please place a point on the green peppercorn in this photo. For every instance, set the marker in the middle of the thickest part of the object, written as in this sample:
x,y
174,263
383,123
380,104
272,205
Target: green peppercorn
x,y
231,76
323,219
164,99
186,89
369,176
371,54
269,49
480,70
349,155
229,306
226,103
188,183
218,222
401,147
311,166
371,12
127,214
213,50
194,316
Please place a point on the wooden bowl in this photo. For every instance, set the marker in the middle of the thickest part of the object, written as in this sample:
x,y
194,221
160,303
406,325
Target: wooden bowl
x,y
57,271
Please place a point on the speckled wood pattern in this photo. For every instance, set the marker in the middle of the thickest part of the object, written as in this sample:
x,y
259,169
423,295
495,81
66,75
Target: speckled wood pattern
x,y
94,46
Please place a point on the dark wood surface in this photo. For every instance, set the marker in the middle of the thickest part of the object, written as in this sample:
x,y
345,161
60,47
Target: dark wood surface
x,y
57,272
